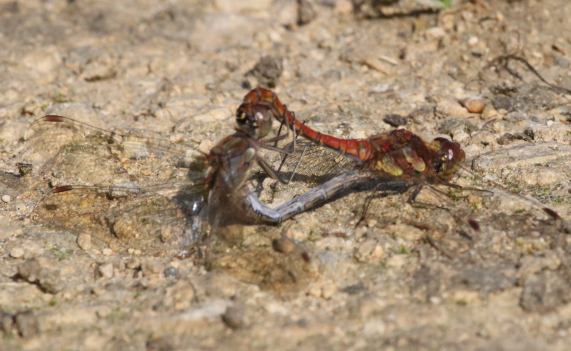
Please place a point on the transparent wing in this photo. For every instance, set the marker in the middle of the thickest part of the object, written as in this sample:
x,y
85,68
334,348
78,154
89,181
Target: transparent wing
x,y
52,132
313,163
122,189
149,219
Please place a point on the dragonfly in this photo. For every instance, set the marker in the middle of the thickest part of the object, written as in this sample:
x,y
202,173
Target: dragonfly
x,y
398,156
218,187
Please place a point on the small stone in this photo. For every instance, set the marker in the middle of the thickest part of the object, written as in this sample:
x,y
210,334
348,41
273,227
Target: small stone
x,y
474,105
436,33
152,267
305,12
179,296
17,252
314,291
395,120
297,234
105,270
473,41
283,245
6,198
171,272
84,241
451,108
234,317
369,250
267,71
107,251
343,7
328,290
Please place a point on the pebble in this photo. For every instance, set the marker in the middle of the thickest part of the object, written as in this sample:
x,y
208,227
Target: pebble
x,y
234,317
325,290
328,290
171,272
395,120
84,241
105,270
305,12
6,198
17,252
152,267
436,33
267,71
298,234
344,7
451,108
474,105
283,245
107,252
369,250
180,296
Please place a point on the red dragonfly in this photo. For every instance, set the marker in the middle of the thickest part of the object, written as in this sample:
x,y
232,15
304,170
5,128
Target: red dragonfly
x,y
396,155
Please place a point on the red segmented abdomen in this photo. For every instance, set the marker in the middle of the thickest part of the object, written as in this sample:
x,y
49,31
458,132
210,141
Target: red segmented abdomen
x,y
359,148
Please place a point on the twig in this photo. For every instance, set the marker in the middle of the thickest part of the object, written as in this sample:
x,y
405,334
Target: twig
x,y
504,61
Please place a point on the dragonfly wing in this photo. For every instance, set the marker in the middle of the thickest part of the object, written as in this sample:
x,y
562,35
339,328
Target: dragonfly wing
x,y
149,218
313,163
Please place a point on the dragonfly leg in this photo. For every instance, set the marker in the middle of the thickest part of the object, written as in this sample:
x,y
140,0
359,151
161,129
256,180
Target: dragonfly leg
x,y
269,170
365,209
418,204
381,190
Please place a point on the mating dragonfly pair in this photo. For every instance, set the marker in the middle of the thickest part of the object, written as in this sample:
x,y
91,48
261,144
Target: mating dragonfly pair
x,y
224,193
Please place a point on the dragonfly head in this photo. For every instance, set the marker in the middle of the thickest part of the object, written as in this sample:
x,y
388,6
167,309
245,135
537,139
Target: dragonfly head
x,y
254,120
448,157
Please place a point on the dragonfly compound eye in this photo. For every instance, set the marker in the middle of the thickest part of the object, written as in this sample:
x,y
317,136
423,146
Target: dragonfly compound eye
x,y
262,123
450,155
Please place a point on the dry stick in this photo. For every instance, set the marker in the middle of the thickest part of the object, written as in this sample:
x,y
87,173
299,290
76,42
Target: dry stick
x,y
504,60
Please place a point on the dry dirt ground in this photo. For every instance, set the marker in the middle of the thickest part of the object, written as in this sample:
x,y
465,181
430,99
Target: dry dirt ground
x,y
81,271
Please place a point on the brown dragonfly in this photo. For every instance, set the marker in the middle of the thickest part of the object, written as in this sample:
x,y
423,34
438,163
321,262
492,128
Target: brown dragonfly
x,y
218,187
